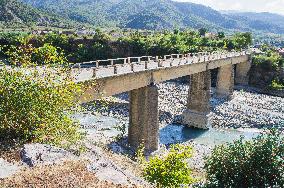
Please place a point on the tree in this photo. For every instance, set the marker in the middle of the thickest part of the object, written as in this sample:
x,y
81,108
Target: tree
x,y
202,31
221,35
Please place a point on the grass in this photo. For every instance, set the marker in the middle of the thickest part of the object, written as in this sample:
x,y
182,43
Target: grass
x,y
69,174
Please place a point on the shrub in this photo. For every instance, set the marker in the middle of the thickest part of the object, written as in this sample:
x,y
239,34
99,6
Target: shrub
x,y
27,55
276,84
170,170
269,62
56,40
255,163
48,54
35,104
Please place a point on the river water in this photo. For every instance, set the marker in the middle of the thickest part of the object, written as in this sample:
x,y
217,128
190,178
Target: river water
x,y
103,126
173,134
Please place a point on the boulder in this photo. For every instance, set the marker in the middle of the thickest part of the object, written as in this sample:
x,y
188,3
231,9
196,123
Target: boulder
x,y
43,154
107,170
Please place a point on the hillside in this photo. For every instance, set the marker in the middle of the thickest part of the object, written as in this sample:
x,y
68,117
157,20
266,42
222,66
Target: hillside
x,y
264,21
14,14
142,14
156,14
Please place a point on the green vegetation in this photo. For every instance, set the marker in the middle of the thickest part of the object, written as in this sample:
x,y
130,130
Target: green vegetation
x,y
36,102
103,46
27,55
169,170
255,163
35,106
270,59
267,68
275,84
15,14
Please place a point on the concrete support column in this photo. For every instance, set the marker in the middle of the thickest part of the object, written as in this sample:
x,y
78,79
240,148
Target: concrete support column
x,y
242,73
225,81
143,118
198,107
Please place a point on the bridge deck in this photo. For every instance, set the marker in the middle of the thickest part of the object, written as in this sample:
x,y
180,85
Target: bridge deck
x,y
114,76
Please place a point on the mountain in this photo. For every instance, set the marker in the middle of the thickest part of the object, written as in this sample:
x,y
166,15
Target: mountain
x,y
156,14
142,14
14,13
260,21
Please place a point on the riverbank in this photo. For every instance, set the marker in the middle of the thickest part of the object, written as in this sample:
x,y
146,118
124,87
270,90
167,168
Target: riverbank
x,y
247,114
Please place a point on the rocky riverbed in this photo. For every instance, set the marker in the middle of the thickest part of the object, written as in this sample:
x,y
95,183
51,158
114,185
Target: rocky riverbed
x,y
247,109
247,113
106,122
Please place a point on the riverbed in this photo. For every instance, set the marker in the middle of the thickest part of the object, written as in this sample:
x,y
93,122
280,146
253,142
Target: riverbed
x,y
248,114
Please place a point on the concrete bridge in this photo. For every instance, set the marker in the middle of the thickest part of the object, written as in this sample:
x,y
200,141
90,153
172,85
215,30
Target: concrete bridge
x,y
139,76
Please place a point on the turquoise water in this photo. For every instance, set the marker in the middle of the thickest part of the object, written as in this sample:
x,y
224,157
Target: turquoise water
x,y
172,134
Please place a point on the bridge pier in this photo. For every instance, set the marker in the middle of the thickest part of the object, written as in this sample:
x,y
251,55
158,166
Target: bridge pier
x,y
197,113
242,72
143,118
225,81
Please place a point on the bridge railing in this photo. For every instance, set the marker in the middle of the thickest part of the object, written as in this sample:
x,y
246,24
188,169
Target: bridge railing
x,y
136,64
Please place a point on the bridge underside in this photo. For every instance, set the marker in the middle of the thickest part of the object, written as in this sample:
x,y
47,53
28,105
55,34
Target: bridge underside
x,y
144,124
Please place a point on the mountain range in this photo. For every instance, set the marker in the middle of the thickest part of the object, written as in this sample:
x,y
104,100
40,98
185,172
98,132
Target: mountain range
x,y
15,14
140,14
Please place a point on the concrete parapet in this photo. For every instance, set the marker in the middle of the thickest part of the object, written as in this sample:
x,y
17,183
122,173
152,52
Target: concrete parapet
x,y
225,81
198,107
143,120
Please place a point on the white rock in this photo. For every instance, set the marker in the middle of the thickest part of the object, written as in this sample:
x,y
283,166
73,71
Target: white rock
x,y
7,169
42,154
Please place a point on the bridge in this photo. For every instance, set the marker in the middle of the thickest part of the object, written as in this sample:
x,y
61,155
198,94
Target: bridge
x,y
139,76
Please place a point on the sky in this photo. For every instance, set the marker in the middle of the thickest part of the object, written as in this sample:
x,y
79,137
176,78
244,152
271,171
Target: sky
x,y
274,6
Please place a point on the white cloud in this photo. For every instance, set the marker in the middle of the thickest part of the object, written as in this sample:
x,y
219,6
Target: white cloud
x,y
275,6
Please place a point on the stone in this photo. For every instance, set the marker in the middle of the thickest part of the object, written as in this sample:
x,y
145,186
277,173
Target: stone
x,y
197,119
242,72
225,82
107,170
43,154
198,106
104,170
7,169
143,120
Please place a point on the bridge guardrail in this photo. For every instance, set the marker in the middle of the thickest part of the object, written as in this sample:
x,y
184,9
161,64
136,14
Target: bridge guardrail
x,y
160,61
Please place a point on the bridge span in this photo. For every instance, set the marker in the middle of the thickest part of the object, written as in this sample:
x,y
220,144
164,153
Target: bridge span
x,y
139,76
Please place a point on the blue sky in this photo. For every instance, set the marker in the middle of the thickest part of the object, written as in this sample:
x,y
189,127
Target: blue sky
x,y
274,6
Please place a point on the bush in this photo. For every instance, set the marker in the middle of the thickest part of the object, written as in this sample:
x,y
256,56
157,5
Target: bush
x,y
255,163
269,62
27,55
170,170
35,104
48,54
276,84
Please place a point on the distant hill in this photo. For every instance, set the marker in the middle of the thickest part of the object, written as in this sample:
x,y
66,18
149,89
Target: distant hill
x,y
264,21
138,14
157,14
14,13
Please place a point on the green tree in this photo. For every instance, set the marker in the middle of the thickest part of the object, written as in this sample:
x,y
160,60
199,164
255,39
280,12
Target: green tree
x,y
255,163
202,31
221,35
